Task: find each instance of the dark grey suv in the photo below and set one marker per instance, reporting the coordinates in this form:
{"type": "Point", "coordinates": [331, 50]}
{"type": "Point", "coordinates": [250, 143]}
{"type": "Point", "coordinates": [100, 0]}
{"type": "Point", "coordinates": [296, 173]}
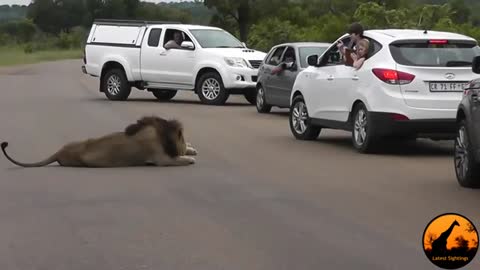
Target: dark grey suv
{"type": "Point", "coordinates": [288, 59]}
{"type": "Point", "coordinates": [467, 143]}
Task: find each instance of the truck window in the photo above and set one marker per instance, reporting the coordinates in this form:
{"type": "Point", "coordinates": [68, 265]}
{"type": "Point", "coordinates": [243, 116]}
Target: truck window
{"type": "Point", "coordinates": [169, 35]}
{"type": "Point", "coordinates": [154, 37]}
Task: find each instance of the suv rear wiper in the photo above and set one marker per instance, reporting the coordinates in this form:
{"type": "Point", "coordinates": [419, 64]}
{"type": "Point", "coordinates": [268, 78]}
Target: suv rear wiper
{"type": "Point", "coordinates": [458, 63]}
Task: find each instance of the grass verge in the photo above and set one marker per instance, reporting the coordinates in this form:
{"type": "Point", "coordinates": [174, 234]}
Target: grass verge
{"type": "Point", "coordinates": [16, 56]}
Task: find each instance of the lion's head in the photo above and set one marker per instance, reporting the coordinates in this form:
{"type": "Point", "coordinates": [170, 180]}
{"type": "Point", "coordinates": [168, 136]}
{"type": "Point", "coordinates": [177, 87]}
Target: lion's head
{"type": "Point", "coordinates": [170, 133]}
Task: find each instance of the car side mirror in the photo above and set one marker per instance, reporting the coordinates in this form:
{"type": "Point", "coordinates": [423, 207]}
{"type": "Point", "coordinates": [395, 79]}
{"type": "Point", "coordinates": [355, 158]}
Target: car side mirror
{"type": "Point", "coordinates": [312, 60]}
{"type": "Point", "coordinates": [476, 65]}
{"type": "Point", "coordinates": [188, 45]}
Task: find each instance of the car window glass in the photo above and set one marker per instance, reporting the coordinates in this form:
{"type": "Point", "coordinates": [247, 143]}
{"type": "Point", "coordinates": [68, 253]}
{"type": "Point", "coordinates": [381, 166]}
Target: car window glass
{"type": "Point", "coordinates": [434, 55]}
{"type": "Point", "coordinates": [305, 52]}
{"type": "Point", "coordinates": [289, 55]}
{"type": "Point", "coordinates": [332, 57]}
{"type": "Point", "coordinates": [154, 37]}
{"type": "Point", "coordinates": [169, 36]}
{"type": "Point", "coordinates": [276, 57]}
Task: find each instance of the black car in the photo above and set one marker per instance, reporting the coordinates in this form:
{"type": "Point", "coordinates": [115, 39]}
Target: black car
{"type": "Point", "coordinates": [467, 143]}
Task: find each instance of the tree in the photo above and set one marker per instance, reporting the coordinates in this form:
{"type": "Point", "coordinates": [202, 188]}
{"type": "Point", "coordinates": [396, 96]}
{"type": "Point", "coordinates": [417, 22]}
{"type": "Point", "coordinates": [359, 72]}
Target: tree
{"type": "Point", "coordinates": [239, 10]}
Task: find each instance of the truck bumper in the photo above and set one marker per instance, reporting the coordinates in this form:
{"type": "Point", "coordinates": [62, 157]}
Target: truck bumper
{"type": "Point", "coordinates": [240, 78]}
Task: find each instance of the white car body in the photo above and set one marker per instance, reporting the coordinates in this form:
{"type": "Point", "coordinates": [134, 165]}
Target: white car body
{"type": "Point", "coordinates": [331, 91]}
{"type": "Point", "coordinates": [138, 48]}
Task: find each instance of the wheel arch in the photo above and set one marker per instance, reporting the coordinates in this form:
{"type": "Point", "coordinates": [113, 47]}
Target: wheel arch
{"type": "Point", "coordinates": [461, 115]}
{"type": "Point", "coordinates": [203, 71]}
{"type": "Point", "coordinates": [355, 104]}
{"type": "Point", "coordinates": [109, 65]}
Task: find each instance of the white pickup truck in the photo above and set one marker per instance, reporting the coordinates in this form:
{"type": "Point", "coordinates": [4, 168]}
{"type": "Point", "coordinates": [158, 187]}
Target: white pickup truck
{"type": "Point", "coordinates": [207, 60]}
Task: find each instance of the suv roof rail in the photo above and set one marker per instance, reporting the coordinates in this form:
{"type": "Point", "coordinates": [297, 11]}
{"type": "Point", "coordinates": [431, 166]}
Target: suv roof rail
{"type": "Point", "coordinates": [130, 22]}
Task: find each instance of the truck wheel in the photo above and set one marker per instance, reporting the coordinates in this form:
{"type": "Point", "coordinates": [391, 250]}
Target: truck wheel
{"type": "Point", "coordinates": [115, 85]}
{"type": "Point", "coordinates": [163, 95]}
{"type": "Point", "coordinates": [251, 96]}
{"type": "Point", "coordinates": [210, 89]}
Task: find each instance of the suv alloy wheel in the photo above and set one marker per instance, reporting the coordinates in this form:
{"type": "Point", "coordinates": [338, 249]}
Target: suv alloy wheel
{"type": "Point", "coordinates": [363, 138]}
{"type": "Point", "coordinates": [300, 122]}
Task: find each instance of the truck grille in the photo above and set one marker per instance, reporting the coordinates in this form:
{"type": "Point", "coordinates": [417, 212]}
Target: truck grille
{"type": "Point", "coordinates": [255, 63]}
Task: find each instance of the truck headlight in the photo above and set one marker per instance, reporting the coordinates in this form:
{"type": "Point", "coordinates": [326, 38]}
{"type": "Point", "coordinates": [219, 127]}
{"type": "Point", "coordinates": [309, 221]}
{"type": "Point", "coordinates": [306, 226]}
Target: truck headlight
{"type": "Point", "coordinates": [236, 62]}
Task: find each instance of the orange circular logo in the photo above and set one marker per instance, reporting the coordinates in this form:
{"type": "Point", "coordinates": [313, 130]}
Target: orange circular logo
{"type": "Point", "coordinates": [450, 241]}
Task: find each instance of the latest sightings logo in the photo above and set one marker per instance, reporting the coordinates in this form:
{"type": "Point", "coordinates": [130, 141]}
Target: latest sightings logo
{"type": "Point", "coordinates": [450, 241]}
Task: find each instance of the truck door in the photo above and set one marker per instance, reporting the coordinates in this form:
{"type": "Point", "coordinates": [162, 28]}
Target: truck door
{"type": "Point", "coordinates": [151, 60]}
{"type": "Point", "coordinates": [176, 65]}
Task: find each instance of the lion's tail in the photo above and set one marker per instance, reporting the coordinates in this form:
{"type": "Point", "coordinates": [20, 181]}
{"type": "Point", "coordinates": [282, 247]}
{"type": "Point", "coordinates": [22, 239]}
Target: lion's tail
{"type": "Point", "coordinates": [45, 162]}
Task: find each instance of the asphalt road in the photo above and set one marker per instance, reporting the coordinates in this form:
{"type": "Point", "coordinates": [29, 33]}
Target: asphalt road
{"type": "Point", "coordinates": [256, 198]}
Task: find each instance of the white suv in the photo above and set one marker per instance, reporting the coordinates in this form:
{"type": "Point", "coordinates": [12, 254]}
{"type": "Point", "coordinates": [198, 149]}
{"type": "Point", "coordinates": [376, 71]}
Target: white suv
{"type": "Point", "coordinates": [410, 86]}
{"type": "Point", "coordinates": [211, 62]}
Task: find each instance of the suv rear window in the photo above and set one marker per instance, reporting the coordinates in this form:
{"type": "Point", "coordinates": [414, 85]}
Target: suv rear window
{"type": "Point", "coordinates": [434, 54]}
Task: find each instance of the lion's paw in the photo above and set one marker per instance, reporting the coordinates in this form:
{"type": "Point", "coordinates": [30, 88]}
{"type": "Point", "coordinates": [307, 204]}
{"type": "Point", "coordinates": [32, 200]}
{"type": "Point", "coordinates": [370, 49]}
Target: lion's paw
{"type": "Point", "coordinates": [192, 151]}
{"type": "Point", "coordinates": [191, 160]}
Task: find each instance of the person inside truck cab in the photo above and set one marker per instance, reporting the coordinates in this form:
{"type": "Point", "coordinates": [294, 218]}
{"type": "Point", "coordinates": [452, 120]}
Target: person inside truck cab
{"type": "Point", "coordinates": [176, 42]}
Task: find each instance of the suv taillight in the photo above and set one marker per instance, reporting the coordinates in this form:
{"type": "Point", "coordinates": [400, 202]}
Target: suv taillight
{"type": "Point", "coordinates": [391, 76]}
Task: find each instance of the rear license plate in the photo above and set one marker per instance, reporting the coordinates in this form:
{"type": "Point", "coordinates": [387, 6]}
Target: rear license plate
{"type": "Point", "coordinates": [447, 86]}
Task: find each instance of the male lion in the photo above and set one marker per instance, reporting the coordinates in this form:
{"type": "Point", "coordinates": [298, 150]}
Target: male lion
{"type": "Point", "coordinates": [150, 141]}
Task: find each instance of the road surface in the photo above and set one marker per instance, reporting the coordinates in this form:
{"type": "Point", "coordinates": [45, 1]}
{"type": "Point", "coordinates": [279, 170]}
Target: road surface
{"type": "Point", "coordinates": [256, 198]}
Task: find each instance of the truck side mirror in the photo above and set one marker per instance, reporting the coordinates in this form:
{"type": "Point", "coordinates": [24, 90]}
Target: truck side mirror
{"type": "Point", "coordinates": [476, 65]}
{"type": "Point", "coordinates": [188, 45]}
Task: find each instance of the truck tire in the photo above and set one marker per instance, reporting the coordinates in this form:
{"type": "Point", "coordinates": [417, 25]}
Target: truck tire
{"type": "Point", "coordinates": [251, 95]}
{"type": "Point", "coordinates": [210, 89]}
{"type": "Point", "coordinates": [163, 95]}
{"type": "Point", "coordinates": [115, 85]}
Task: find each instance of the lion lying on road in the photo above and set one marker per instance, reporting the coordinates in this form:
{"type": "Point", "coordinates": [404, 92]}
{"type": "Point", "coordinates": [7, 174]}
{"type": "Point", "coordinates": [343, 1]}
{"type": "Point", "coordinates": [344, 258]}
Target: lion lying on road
{"type": "Point", "coordinates": [150, 141]}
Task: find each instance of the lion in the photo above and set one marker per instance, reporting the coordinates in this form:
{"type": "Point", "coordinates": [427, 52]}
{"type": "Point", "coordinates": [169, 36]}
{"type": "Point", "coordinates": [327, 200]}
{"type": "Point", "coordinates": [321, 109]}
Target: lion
{"type": "Point", "coordinates": [150, 141]}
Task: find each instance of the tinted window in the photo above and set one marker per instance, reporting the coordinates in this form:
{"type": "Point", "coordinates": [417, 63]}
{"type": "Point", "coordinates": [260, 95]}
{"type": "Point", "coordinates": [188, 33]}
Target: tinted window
{"type": "Point", "coordinates": [276, 57]}
{"type": "Point", "coordinates": [304, 52]}
{"type": "Point", "coordinates": [154, 37]}
{"type": "Point", "coordinates": [434, 55]}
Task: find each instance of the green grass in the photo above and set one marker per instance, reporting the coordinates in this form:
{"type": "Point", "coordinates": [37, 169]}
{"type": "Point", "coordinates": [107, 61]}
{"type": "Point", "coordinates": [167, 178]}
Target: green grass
{"type": "Point", "coordinates": [10, 56]}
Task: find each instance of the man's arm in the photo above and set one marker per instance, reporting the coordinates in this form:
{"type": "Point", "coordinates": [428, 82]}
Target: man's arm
{"type": "Point", "coordinates": [172, 45]}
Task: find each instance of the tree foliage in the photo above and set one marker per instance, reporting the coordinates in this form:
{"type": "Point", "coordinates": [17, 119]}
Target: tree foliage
{"type": "Point", "coordinates": [261, 23]}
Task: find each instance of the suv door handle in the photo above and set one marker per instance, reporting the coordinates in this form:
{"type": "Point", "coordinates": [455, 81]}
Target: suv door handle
{"type": "Point", "coordinates": [330, 78]}
{"type": "Point", "coordinates": [355, 78]}
{"type": "Point", "coordinates": [163, 53]}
